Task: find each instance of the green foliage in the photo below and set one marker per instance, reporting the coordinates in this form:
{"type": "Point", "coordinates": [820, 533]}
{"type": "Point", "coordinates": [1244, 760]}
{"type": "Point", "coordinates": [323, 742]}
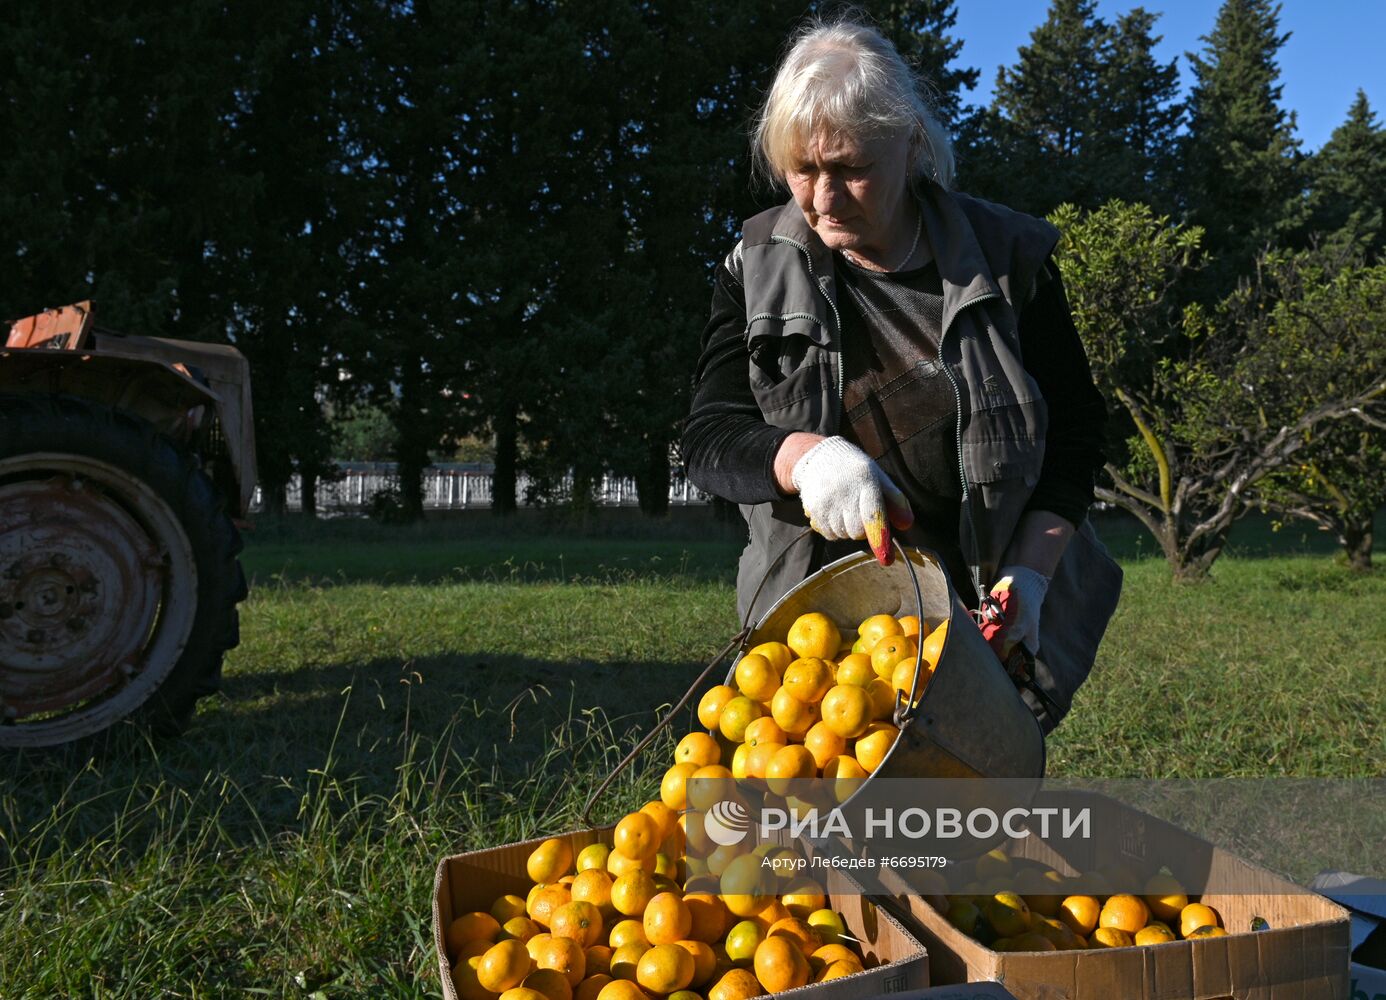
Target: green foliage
{"type": "Point", "coordinates": [1218, 399]}
{"type": "Point", "coordinates": [364, 434]}
{"type": "Point", "coordinates": [1241, 171]}
{"type": "Point", "coordinates": [119, 180]}
{"type": "Point", "coordinates": [1347, 183]}
{"type": "Point", "coordinates": [473, 449]}
{"type": "Point", "coordinates": [1120, 265]}
{"type": "Point", "coordinates": [1321, 316]}
{"type": "Point", "coordinates": [1087, 114]}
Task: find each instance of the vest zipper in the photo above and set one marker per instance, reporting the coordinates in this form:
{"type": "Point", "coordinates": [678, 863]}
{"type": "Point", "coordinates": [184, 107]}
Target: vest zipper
{"type": "Point", "coordinates": [976, 559]}
{"type": "Point", "coordinates": [975, 562]}
{"type": "Point", "coordinates": [837, 318]}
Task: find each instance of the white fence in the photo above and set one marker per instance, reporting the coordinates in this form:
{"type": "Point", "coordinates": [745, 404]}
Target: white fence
{"type": "Point", "coordinates": [460, 487]}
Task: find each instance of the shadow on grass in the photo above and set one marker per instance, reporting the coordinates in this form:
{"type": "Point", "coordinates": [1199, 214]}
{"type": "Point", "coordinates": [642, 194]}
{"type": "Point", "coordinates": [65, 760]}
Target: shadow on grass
{"type": "Point", "coordinates": [254, 756]}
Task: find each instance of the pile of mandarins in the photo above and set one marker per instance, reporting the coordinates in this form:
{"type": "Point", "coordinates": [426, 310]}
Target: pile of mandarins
{"type": "Point", "coordinates": [813, 706]}
{"type": "Point", "coordinates": [1022, 906]}
{"type": "Point", "coordinates": [628, 920]}
{"type": "Point", "coordinates": [616, 923]}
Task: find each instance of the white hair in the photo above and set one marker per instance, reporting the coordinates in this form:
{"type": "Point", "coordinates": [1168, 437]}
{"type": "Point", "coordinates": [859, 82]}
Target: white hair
{"type": "Point", "coordinates": [847, 79]}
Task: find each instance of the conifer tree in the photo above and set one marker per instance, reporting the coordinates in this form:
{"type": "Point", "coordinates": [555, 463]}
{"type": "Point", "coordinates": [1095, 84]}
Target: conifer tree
{"type": "Point", "coordinates": [1086, 114]}
{"type": "Point", "coordinates": [1044, 114]}
{"type": "Point", "coordinates": [921, 31]}
{"type": "Point", "coordinates": [1347, 182]}
{"type": "Point", "coordinates": [1134, 155]}
{"type": "Point", "coordinates": [1240, 157]}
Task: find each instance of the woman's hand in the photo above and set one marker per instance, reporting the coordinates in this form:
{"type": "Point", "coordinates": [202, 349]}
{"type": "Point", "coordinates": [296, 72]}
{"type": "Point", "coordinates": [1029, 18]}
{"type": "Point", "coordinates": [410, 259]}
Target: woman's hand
{"type": "Point", "coordinates": [1036, 547]}
{"type": "Point", "coordinates": [1019, 592]}
{"type": "Point", "coordinates": [845, 494]}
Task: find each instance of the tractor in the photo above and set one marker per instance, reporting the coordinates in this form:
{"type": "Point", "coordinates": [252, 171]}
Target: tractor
{"type": "Point", "coordinates": [127, 466]}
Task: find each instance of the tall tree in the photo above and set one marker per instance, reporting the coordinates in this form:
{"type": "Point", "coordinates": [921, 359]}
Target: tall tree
{"type": "Point", "coordinates": [1347, 182]}
{"type": "Point", "coordinates": [1086, 114]}
{"type": "Point", "coordinates": [180, 165]}
{"type": "Point", "coordinates": [922, 31]}
{"type": "Point", "coordinates": [528, 163]}
{"type": "Point", "coordinates": [413, 112]}
{"type": "Point", "coordinates": [1135, 150]}
{"type": "Point", "coordinates": [1044, 113]}
{"type": "Point", "coordinates": [116, 186]}
{"type": "Point", "coordinates": [657, 199]}
{"type": "Point", "coordinates": [1241, 176]}
{"type": "Point", "coordinates": [288, 261]}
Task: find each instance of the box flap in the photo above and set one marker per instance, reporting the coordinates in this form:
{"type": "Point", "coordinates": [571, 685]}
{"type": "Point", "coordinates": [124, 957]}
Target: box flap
{"type": "Point", "coordinates": [1357, 892]}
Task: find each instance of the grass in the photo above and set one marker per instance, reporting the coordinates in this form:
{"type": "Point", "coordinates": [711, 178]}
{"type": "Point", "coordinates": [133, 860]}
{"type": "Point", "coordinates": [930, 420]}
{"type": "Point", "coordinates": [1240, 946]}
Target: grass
{"type": "Point", "coordinates": [402, 694]}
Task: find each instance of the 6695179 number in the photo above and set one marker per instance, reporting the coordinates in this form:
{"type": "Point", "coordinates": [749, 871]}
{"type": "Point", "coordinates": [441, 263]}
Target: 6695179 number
{"type": "Point", "coordinates": [913, 861]}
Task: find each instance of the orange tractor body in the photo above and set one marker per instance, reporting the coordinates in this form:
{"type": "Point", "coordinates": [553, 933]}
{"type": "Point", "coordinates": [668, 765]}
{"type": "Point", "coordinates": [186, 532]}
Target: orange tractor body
{"type": "Point", "coordinates": [127, 464]}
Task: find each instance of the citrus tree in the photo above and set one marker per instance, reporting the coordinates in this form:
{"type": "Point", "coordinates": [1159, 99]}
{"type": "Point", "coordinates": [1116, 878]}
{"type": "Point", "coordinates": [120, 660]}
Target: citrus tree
{"type": "Point", "coordinates": [1207, 398]}
{"type": "Point", "coordinates": [1325, 314]}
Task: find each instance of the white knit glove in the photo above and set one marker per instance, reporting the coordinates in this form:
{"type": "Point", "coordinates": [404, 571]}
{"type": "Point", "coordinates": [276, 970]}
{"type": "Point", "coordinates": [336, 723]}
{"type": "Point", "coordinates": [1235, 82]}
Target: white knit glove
{"type": "Point", "coordinates": [846, 495]}
{"type": "Point", "coordinates": [1021, 591]}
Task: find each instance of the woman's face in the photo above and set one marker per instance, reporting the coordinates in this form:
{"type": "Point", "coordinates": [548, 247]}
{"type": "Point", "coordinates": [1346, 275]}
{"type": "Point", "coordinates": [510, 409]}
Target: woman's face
{"type": "Point", "coordinates": [851, 191]}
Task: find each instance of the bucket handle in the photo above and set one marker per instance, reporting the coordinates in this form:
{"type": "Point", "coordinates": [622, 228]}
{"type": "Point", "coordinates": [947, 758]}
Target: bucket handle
{"type": "Point", "coordinates": [905, 708]}
{"type": "Point", "coordinates": [668, 718]}
{"type": "Point", "coordinates": [736, 641]}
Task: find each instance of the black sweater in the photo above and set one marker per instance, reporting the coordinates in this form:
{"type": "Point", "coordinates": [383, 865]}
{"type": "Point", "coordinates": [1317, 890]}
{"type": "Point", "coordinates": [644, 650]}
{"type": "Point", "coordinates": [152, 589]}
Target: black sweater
{"type": "Point", "coordinates": [729, 449]}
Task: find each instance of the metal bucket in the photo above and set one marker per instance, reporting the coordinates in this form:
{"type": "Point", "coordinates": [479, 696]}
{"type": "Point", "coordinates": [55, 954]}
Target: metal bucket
{"type": "Point", "coordinates": [971, 721]}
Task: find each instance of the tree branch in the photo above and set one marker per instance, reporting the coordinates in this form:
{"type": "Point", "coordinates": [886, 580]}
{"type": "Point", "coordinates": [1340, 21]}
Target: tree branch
{"type": "Point", "coordinates": [1131, 490]}
{"type": "Point", "coordinates": [1370, 421]}
{"type": "Point", "coordinates": [1288, 440]}
{"type": "Point", "coordinates": [1339, 497]}
{"type": "Point", "coordinates": [1139, 511]}
{"type": "Point", "coordinates": [1153, 443]}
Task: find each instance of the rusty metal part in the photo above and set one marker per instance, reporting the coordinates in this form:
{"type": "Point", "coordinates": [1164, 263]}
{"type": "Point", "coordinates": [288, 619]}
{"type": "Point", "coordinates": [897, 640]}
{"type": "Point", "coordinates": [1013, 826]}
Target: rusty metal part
{"type": "Point", "coordinates": [65, 329]}
{"type": "Point", "coordinates": [152, 377]}
{"type": "Point", "coordinates": [98, 592]}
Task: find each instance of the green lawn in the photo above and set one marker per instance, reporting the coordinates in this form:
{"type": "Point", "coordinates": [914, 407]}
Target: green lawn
{"type": "Point", "coordinates": [402, 694]}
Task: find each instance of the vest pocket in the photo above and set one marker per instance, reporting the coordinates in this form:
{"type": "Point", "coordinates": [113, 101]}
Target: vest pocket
{"type": "Point", "coordinates": [782, 347]}
{"type": "Point", "coordinates": [993, 461]}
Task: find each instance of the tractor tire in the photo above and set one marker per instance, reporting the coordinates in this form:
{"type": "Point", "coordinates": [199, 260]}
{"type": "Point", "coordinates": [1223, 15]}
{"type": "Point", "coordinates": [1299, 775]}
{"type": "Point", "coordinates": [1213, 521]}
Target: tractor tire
{"type": "Point", "coordinates": [118, 574]}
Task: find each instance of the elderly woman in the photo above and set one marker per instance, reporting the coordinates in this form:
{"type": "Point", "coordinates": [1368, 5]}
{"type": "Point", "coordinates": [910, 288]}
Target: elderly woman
{"type": "Point", "coordinates": [885, 352]}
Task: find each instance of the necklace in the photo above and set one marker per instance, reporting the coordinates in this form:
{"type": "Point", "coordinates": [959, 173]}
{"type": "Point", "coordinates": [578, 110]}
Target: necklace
{"type": "Point", "coordinates": [918, 228]}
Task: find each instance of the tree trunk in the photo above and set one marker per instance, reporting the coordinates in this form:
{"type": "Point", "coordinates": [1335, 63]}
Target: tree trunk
{"type": "Point", "coordinates": [308, 480]}
{"type": "Point", "coordinates": [411, 450]}
{"type": "Point", "coordinates": [275, 498]}
{"type": "Point", "coordinates": [503, 478]}
{"type": "Point", "coordinates": [653, 483]}
{"type": "Point", "coordinates": [413, 460]}
{"type": "Point", "coordinates": [582, 504]}
{"type": "Point", "coordinates": [1356, 539]}
{"type": "Point", "coordinates": [1195, 561]}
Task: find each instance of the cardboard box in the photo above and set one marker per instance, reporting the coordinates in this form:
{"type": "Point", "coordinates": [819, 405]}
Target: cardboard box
{"type": "Point", "coordinates": [1303, 954]}
{"type": "Point", "coordinates": [472, 881]}
{"type": "Point", "coordinates": [1366, 899]}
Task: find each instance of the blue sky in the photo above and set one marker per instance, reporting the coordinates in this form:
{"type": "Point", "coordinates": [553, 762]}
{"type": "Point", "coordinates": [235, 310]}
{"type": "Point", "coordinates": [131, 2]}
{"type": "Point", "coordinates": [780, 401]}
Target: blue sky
{"type": "Point", "coordinates": [1335, 47]}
